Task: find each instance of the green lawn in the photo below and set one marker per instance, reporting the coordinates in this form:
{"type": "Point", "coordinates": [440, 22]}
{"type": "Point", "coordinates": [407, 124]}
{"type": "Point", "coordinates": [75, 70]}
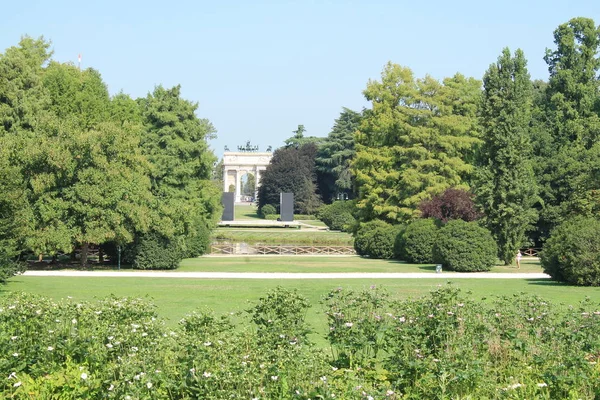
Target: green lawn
{"type": "Point", "coordinates": [243, 212]}
{"type": "Point", "coordinates": [321, 264]}
{"type": "Point", "coordinates": [176, 297]}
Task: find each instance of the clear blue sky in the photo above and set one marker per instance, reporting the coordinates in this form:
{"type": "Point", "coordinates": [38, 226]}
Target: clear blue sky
{"type": "Point", "coordinates": [259, 68]}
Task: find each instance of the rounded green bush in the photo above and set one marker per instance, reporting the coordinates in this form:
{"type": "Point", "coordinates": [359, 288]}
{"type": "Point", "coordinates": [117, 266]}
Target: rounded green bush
{"type": "Point", "coordinates": [268, 209]}
{"type": "Point", "coordinates": [376, 239]}
{"type": "Point", "coordinates": [154, 251]}
{"type": "Point", "coordinates": [572, 253]}
{"type": "Point", "coordinates": [465, 247]}
{"type": "Point", "coordinates": [415, 245]}
{"type": "Point", "coordinates": [338, 215]}
{"type": "Point", "coordinates": [198, 243]}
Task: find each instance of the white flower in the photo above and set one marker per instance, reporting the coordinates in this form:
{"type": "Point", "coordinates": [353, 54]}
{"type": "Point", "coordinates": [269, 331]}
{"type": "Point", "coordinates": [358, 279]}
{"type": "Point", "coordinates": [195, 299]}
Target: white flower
{"type": "Point", "coordinates": [111, 387]}
{"type": "Point", "coordinates": [17, 384]}
{"type": "Point", "coordinates": [323, 379]}
{"type": "Point", "coordinates": [84, 376]}
{"type": "Point", "coordinates": [281, 336]}
{"type": "Point", "coordinates": [12, 375]}
{"type": "Point", "coordinates": [543, 384]}
{"type": "Point", "coordinates": [98, 313]}
{"type": "Point", "coordinates": [206, 374]}
{"type": "Point", "coordinates": [109, 345]}
{"type": "Point", "coordinates": [149, 385]}
{"type": "Point", "coordinates": [73, 321]}
{"type": "Point", "coordinates": [274, 377]}
{"type": "Point", "coordinates": [389, 393]}
{"type": "Point", "coordinates": [401, 319]}
{"type": "Point", "coordinates": [349, 324]}
{"type": "Point", "coordinates": [370, 398]}
{"type": "Point", "coordinates": [14, 337]}
{"type": "Point", "coordinates": [15, 354]}
{"type": "Point", "coordinates": [207, 343]}
{"type": "Point", "coordinates": [134, 348]}
{"type": "Point", "coordinates": [50, 348]}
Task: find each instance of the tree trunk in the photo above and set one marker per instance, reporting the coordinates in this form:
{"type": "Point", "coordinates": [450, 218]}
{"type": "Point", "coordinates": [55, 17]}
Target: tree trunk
{"type": "Point", "coordinates": [84, 254]}
{"type": "Point", "coordinates": [100, 256]}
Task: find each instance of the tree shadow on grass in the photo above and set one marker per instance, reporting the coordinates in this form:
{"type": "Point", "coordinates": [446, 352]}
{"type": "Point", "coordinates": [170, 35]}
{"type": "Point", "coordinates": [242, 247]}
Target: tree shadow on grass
{"type": "Point", "coordinates": [545, 282]}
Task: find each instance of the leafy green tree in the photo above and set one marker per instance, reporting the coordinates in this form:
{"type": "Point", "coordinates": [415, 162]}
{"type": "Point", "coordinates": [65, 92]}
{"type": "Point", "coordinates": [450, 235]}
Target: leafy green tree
{"type": "Point", "coordinates": [506, 186]}
{"type": "Point", "coordinates": [22, 96]}
{"type": "Point", "coordinates": [90, 178]}
{"type": "Point", "coordinates": [335, 154]}
{"type": "Point", "coordinates": [567, 129]}
{"type": "Point", "coordinates": [175, 143]}
{"type": "Point", "coordinates": [417, 140]}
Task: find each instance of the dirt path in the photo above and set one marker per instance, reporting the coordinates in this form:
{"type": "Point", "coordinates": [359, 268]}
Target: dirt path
{"type": "Point", "coordinates": [285, 275]}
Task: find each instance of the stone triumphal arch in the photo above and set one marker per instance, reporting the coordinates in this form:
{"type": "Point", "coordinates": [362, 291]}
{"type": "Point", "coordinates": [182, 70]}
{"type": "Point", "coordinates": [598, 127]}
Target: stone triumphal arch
{"type": "Point", "coordinates": [236, 164]}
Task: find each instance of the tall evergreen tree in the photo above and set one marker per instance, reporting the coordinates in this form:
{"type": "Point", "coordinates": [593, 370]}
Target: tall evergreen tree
{"type": "Point", "coordinates": [568, 148]}
{"type": "Point", "coordinates": [506, 187]}
{"type": "Point", "coordinates": [175, 143]}
{"type": "Point", "coordinates": [334, 175]}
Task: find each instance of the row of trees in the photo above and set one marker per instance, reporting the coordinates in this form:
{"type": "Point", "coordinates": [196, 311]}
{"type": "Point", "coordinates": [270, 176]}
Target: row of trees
{"type": "Point", "coordinates": [79, 167]}
{"type": "Point", "coordinates": [528, 150]}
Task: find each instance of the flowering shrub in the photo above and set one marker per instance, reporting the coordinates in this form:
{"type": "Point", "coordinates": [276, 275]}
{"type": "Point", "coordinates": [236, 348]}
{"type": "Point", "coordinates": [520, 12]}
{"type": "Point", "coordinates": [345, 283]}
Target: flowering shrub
{"type": "Point", "coordinates": [445, 345]}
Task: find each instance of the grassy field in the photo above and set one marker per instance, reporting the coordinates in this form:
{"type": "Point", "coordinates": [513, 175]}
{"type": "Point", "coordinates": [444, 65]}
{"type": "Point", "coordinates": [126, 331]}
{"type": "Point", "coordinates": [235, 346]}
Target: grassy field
{"type": "Point", "coordinates": [176, 297]}
{"type": "Point", "coordinates": [321, 264]}
{"type": "Point", "coordinates": [245, 212]}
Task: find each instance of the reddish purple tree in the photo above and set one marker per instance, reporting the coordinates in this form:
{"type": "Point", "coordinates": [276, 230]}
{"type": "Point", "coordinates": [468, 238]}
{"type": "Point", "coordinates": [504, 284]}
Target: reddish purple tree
{"type": "Point", "coordinates": [451, 204]}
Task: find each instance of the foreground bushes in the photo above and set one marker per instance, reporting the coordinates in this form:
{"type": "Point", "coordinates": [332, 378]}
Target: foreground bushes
{"type": "Point", "coordinates": [444, 345]}
{"type": "Point", "coordinates": [572, 253]}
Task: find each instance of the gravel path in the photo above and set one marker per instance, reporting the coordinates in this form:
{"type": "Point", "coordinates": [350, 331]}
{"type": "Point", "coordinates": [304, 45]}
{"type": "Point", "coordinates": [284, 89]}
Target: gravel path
{"type": "Point", "coordinates": [285, 275]}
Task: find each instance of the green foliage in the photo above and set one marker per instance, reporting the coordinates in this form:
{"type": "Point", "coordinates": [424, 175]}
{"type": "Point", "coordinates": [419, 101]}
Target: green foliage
{"type": "Point", "coordinates": [506, 186]}
{"type": "Point", "coordinates": [268, 209]}
{"type": "Point", "coordinates": [416, 243]}
{"type": "Point", "coordinates": [338, 215]}
{"type": "Point", "coordinates": [417, 140]}
{"type": "Point", "coordinates": [357, 325]}
{"type": "Point", "coordinates": [335, 155]}
{"type": "Point", "coordinates": [567, 128]}
{"type": "Point", "coordinates": [446, 343]}
{"type": "Point", "coordinates": [572, 253]}
{"type": "Point", "coordinates": [280, 317]}
{"type": "Point", "coordinates": [155, 251]}
{"type": "Point", "coordinates": [198, 243]}
{"type": "Point", "coordinates": [376, 239]}
{"type": "Point", "coordinates": [175, 144]}
{"type": "Point", "coordinates": [465, 247]}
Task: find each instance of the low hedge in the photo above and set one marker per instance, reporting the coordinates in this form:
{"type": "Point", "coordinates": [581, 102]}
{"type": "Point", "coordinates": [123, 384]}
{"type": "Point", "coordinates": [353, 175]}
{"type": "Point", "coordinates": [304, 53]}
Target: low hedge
{"type": "Point", "coordinates": [273, 217]}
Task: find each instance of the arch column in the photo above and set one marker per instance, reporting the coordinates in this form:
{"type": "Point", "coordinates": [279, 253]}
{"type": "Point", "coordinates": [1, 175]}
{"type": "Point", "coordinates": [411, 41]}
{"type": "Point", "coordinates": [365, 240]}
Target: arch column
{"type": "Point", "coordinates": [238, 190]}
{"type": "Point", "coordinates": [225, 186]}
